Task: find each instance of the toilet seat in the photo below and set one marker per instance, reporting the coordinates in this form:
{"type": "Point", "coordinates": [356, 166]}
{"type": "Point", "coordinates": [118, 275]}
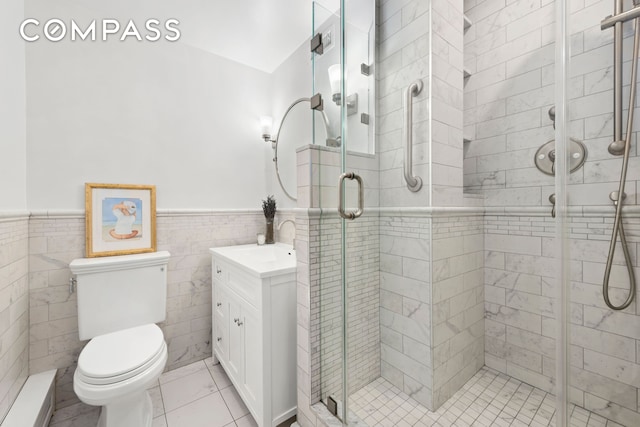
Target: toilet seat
{"type": "Point", "coordinates": [119, 356]}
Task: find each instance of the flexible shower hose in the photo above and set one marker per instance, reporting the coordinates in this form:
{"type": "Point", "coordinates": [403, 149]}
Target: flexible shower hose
{"type": "Point", "coordinates": [618, 228]}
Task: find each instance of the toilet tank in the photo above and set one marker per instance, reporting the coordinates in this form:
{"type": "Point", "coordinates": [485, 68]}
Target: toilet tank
{"type": "Point", "coordinates": [120, 292]}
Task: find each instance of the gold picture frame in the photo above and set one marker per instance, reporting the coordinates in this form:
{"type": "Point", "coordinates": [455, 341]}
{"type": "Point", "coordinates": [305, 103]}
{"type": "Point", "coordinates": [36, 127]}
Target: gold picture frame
{"type": "Point", "coordinates": [120, 219]}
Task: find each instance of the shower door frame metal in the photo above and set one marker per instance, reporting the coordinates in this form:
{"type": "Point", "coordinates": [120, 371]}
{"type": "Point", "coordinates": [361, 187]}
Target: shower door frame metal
{"type": "Point", "coordinates": [562, 170]}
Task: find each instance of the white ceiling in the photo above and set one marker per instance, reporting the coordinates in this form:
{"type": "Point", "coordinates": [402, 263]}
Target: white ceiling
{"type": "Point", "coordinates": [258, 33]}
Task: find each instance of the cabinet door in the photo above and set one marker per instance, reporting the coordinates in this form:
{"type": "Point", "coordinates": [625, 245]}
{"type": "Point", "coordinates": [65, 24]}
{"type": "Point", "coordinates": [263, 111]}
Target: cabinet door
{"type": "Point", "coordinates": [253, 359]}
{"type": "Point", "coordinates": [236, 337]}
{"type": "Point", "coordinates": [220, 322]}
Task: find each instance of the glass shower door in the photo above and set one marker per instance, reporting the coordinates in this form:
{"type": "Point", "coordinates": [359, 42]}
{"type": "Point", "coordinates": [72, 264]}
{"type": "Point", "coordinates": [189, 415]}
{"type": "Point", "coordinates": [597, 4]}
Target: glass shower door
{"type": "Point", "coordinates": [327, 386]}
{"type": "Point", "coordinates": [347, 222]}
{"type": "Point", "coordinates": [601, 329]}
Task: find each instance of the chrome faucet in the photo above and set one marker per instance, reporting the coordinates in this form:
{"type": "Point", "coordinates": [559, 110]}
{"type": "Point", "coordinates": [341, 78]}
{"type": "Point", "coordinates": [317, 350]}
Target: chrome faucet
{"type": "Point", "coordinates": [294, 229]}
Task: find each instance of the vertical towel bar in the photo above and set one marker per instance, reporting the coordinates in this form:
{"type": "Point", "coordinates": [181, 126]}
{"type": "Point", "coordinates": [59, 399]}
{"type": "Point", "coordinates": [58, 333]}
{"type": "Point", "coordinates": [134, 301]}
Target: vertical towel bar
{"type": "Point", "coordinates": [414, 183]}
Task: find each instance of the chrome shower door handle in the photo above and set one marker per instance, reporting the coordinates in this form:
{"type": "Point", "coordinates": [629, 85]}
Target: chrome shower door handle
{"type": "Point", "coordinates": [360, 210]}
{"type": "Point", "coordinates": [414, 183]}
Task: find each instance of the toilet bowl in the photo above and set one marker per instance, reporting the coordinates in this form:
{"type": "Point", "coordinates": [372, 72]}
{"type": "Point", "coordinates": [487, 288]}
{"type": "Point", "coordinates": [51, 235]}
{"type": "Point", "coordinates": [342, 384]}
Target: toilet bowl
{"type": "Point", "coordinates": [120, 300]}
{"type": "Point", "coordinates": [116, 369]}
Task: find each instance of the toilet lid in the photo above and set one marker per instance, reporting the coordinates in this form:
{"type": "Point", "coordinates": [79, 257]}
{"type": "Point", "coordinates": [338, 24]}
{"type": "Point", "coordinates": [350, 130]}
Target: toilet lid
{"type": "Point", "coordinates": [120, 355]}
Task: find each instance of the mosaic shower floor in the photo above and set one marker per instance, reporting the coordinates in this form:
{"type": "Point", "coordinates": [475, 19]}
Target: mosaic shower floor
{"type": "Point", "coordinates": [489, 398]}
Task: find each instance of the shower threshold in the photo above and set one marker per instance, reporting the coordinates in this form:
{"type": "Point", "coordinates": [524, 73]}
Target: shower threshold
{"type": "Point", "coordinates": [489, 398]}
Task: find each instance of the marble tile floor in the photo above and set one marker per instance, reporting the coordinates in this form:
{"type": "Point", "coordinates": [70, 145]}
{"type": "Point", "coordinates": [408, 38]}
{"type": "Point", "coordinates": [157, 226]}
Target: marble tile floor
{"type": "Point", "coordinates": [489, 398]}
{"type": "Point", "coordinates": [196, 395]}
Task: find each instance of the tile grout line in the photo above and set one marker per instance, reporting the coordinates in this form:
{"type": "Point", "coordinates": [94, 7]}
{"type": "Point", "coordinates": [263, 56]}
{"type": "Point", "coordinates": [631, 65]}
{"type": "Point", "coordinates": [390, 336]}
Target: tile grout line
{"type": "Point", "coordinates": [200, 398]}
{"type": "Point", "coordinates": [164, 411]}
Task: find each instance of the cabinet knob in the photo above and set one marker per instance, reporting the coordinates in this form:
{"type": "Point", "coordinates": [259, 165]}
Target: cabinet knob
{"type": "Point", "coordinates": [218, 270]}
{"type": "Point", "coordinates": [236, 320]}
{"type": "Point", "coordinates": [219, 304]}
{"type": "Point", "coordinates": [219, 339]}
{"type": "Point", "coordinates": [240, 323]}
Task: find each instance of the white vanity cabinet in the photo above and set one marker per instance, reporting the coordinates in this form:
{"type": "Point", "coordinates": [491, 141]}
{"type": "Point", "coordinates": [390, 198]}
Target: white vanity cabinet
{"type": "Point", "coordinates": [254, 332]}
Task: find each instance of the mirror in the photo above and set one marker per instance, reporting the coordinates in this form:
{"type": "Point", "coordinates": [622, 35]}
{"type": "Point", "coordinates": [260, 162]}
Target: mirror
{"type": "Point", "coordinates": [295, 131]}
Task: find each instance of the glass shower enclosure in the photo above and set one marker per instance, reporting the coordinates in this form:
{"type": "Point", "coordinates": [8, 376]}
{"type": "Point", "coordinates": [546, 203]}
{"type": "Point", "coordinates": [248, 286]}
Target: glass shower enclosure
{"type": "Point", "coordinates": [461, 219]}
{"type": "Point", "coordinates": [346, 200]}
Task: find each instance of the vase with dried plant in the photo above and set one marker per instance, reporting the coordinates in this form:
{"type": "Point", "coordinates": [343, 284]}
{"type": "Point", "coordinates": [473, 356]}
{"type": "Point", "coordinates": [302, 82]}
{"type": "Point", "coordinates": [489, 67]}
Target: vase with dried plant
{"type": "Point", "coordinates": [269, 209]}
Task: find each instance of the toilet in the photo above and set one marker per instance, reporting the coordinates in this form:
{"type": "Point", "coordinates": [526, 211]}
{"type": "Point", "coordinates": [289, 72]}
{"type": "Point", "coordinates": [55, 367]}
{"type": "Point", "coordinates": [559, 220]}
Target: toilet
{"type": "Point", "coordinates": [120, 300]}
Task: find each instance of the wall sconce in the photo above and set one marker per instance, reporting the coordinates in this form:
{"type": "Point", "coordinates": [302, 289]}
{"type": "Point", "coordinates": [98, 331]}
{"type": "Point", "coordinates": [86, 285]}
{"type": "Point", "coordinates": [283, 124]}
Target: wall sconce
{"type": "Point", "coordinates": [335, 82]}
{"type": "Point", "coordinates": [266, 124]}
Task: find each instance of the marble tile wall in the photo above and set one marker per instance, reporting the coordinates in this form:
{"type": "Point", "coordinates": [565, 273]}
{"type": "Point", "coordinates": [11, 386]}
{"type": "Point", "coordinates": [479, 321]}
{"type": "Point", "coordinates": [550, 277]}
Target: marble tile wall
{"type": "Point", "coordinates": [519, 298]}
{"type": "Point", "coordinates": [520, 307]}
{"type": "Point", "coordinates": [421, 40]}
{"type": "Point", "coordinates": [509, 51]}
{"type": "Point", "coordinates": [363, 299]}
{"type": "Point", "coordinates": [53, 335]}
{"type": "Point", "coordinates": [403, 57]}
{"type": "Point", "coordinates": [432, 303]}
{"type": "Point", "coordinates": [458, 303]}
{"type": "Point", "coordinates": [445, 138]}
{"type": "Point", "coordinates": [308, 328]}
{"type": "Point", "coordinates": [318, 269]}
{"type": "Point", "coordinates": [55, 241]}
{"type": "Point", "coordinates": [319, 170]}
{"type": "Point", "coordinates": [417, 40]}
{"type": "Point", "coordinates": [405, 304]}
{"type": "Point", "coordinates": [14, 309]}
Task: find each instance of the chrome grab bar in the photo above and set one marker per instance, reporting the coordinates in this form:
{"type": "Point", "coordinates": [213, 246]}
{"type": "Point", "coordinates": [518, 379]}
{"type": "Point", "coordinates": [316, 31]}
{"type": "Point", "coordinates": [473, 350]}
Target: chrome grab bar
{"type": "Point", "coordinates": [357, 213]}
{"type": "Point", "coordinates": [413, 182]}
{"type": "Point", "coordinates": [621, 17]}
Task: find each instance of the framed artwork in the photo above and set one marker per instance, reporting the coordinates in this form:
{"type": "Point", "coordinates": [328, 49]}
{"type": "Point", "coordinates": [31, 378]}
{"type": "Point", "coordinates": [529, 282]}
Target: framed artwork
{"type": "Point", "coordinates": [120, 219]}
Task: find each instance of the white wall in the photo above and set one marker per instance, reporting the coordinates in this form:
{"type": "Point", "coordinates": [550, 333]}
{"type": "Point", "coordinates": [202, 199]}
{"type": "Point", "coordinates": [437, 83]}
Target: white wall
{"type": "Point", "coordinates": [12, 109]}
{"type": "Point", "coordinates": [14, 301]}
{"type": "Point", "coordinates": [289, 82]}
{"type": "Point", "coordinates": [160, 113]}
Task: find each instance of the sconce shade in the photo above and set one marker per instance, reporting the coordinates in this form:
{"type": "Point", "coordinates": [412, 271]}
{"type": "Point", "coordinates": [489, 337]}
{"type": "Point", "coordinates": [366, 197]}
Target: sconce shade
{"type": "Point", "coordinates": [266, 124]}
{"type": "Point", "coordinates": [334, 78]}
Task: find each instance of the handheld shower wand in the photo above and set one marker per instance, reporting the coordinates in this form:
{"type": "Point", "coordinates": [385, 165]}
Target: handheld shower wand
{"type": "Point", "coordinates": [622, 146]}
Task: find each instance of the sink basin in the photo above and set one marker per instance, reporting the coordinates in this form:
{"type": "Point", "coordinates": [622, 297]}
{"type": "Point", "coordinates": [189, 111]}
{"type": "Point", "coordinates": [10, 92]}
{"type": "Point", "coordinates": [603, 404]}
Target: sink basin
{"type": "Point", "coordinates": [260, 261]}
